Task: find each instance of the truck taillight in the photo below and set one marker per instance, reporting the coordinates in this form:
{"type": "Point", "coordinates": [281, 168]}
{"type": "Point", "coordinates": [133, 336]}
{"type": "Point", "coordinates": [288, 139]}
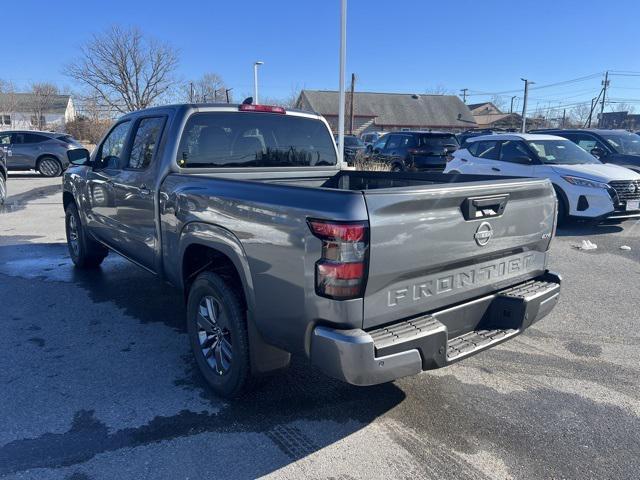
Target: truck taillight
{"type": "Point", "coordinates": [341, 271]}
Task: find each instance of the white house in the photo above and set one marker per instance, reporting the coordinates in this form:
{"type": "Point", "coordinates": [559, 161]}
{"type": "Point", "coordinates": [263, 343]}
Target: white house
{"type": "Point", "coordinates": [18, 111]}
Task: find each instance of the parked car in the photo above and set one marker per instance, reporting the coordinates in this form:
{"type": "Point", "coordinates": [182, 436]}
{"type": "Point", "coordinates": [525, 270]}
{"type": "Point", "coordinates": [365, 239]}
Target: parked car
{"type": "Point", "coordinates": [415, 151]}
{"type": "Point", "coordinates": [3, 177]}
{"type": "Point", "coordinates": [586, 188]}
{"type": "Point", "coordinates": [370, 138]}
{"type": "Point", "coordinates": [371, 275]}
{"type": "Point", "coordinates": [609, 146]}
{"type": "Point", "coordinates": [45, 152]}
{"type": "Point", "coordinates": [352, 147]}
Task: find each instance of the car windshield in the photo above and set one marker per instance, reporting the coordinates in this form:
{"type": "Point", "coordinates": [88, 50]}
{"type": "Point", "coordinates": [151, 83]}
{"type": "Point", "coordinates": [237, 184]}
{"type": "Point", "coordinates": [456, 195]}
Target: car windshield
{"type": "Point", "coordinates": [435, 144]}
{"type": "Point", "coordinates": [624, 142]}
{"type": "Point", "coordinates": [561, 152]}
{"type": "Point", "coordinates": [353, 142]}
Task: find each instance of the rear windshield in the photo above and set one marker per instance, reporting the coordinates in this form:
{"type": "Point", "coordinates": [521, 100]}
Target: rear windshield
{"type": "Point", "coordinates": [247, 139]}
{"type": "Point", "coordinates": [436, 143]}
{"type": "Point", "coordinates": [356, 142]}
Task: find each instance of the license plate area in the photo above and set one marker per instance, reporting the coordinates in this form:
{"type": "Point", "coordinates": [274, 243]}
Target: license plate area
{"type": "Point", "coordinates": [632, 205]}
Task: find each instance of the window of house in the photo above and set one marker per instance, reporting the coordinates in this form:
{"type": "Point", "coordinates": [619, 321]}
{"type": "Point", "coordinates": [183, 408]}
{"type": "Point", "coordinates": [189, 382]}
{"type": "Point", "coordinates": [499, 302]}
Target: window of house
{"type": "Point", "coordinates": [35, 123]}
{"type": "Point", "coordinates": [145, 142]}
{"type": "Point", "coordinates": [6, 119]}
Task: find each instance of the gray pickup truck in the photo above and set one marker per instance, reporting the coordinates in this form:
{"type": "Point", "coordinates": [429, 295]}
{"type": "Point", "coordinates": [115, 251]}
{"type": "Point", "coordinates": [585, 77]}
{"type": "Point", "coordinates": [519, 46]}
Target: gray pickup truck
{"type": "Point", "coordinates": [371, 275]}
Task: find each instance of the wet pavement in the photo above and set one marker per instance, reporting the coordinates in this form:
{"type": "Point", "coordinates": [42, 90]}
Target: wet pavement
{"type": "Point", "coordinates": [97, 381]}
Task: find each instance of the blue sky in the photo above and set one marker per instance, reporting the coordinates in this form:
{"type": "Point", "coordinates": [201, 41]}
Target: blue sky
{"type": "Point", "coordinates": [400, 46]}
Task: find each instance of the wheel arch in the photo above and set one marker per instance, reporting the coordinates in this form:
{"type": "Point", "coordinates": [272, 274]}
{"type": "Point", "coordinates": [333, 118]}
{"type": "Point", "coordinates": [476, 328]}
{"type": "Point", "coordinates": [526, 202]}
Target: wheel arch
{"type": "Point", "coordinates": [211, 247]}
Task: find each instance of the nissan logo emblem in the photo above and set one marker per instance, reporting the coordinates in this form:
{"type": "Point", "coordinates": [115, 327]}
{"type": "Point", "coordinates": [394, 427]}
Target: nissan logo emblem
{"type": "Point", "coordinates": [483, 234]}
{"type": "Point", "coordinates": [632, 188]}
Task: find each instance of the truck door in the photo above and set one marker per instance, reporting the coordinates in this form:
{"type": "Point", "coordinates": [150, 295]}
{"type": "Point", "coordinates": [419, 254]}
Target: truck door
{"type": "Point", "coordinates": [136, 193]}
{"type": "Point", "coordinates": [101, 200]}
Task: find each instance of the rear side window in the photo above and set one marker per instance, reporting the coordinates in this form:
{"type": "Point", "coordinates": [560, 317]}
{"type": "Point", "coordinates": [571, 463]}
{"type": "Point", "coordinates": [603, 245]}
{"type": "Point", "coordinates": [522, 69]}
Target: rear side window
{"type": "Point", "coordinates": [486, 149]}
{"type": "Point", "coordinates": [26, 137]}
{"type": "Point", "coordinates": [513, 149]}
{"type": "Point", "coordinates": [246, 139]}
{"type": "Point", "coordinates": [145, 142]}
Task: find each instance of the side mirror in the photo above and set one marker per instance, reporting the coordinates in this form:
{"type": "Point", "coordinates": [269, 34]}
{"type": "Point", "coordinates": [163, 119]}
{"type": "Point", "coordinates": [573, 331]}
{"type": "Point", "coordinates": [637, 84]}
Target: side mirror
{"type": "Point", "coordinates": [78, 156]}
{"type": "Point", "coordinates": [598, 152]}
{"type": "Point", "coordinates": [521, 160]}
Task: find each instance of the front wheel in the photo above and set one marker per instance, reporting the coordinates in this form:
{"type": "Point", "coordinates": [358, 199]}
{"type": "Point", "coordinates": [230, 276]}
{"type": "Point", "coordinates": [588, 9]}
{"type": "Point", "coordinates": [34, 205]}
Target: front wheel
{"type": "Point", "coordinates": [84, 251]}
{"type": "Point", "coordinates": [3, 189]}
{"type": "Point", "coordinates": [396, 167]}
{"type": "Point", "coordinates": [217, 327]}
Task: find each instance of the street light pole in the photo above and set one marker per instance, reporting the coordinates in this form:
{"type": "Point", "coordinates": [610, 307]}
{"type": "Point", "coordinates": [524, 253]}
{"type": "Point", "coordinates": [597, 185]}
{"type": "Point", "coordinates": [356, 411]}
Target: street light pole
{"type": "Point", "coordinates": [255, 81]}
{"type": "Point", "coordinates": [343, 56]}
{"type": "Point", "coordinates": [524, 103]}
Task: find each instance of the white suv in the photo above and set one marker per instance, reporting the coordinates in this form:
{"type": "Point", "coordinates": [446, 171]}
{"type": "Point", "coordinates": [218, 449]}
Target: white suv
{"type": "Point", "coordinates": [586, 188]}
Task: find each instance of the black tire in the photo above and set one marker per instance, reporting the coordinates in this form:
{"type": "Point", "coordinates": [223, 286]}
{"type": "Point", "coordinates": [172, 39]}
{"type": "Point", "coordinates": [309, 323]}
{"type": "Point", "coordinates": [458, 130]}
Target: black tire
{"type": "Point", "coordinates": [563, 214]}
{"type": "Point", "coordinates": [3, 189]}
{"type": "Point", "coordinates": [396, 167]}
{"type": "Point", "coordinates": [221, 355]}
{"type": "Point", "coordinates": [49, 166]}
{"type": "Point", "coordinates": [85, 252]}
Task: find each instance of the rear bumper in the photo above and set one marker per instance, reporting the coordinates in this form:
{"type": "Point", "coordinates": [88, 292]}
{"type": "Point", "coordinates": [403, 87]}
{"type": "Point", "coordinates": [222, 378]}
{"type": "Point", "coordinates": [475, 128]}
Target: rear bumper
{"type": "Point", "coordinates": [411, 346]}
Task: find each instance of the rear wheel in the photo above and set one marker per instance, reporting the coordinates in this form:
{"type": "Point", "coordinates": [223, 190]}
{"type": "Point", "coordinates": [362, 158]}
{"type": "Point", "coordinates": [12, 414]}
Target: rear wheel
{"type": "Point", "coordinates": [85, 252]}
{"type": "Point", "coordinates": [396, 167]}
{"type": "Point", "coordinates": [217, 327]}
{"type": "Point", "coordinates": [49, 167]}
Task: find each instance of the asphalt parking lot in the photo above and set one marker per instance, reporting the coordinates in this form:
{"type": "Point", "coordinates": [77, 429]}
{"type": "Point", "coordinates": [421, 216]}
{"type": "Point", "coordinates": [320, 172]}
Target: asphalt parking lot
{"type": "Point", "coordinates": [97, 381]}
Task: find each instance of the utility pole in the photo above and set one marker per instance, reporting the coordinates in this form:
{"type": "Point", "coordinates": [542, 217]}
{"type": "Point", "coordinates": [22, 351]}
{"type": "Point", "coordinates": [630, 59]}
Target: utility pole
{"type": "Point", "coordinates": [464, 94]}
{"type": "Point", "coordinates": [226, 92]}
{"type": "Point", "coordinates": [191, 92]}
{"type": "Point", "coordinates": [512, 99]}
{"type": "Point", "coordinates": [564, 116]}
{"type": "Point", "coordinates": [343, 57]}
{"type": "Point", "coordinates": [255, 81]}
{"type": "Point", "coordinates": [353, 85]}
{"type": "Point", "coordinates": [605, 84]}
{"type": "Point", "coordinates": [524, 103]}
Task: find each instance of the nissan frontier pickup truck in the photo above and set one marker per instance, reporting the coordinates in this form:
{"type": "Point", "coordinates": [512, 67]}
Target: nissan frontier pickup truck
{"type": "Point", "coordinates": [372, 276]}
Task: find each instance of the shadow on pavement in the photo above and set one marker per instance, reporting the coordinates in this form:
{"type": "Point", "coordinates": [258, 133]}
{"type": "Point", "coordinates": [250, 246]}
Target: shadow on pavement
{"type": "Point", "coordinates": [300, 411]}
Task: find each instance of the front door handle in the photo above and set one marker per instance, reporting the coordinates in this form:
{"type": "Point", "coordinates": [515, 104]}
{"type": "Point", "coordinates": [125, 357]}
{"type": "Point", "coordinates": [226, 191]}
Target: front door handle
{"type": "Point", "coordinates": [144, 190]}
{"type": "Point", "coordinates": [495, 169]}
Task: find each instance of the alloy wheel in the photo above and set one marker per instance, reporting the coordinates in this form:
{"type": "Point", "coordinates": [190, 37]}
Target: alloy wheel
{"type": "Point", "coordinates": [49, 167]}
{"type": "Point", "coordinates": [213, 335]}
{"type": "Point", "coordinates": [73, 234]}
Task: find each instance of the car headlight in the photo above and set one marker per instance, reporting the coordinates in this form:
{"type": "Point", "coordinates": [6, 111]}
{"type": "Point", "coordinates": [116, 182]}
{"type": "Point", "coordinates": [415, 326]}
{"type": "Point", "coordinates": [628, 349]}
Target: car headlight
{"type": "Point", "coordinates": [583, 182]}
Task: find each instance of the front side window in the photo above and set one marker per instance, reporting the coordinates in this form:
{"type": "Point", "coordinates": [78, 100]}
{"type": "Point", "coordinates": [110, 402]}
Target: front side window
{"type": "Point", "coordinates": [379, 145]}
{"type": "Point", "coordinates": [560, 152]}
{"type": "Point", "coordinates": [111, 149]}
{"type": "Point", "coordinates": [145, 142]}
{"type": "Point", "coordinates": [393, 142]}
{"type": "Point", "coordinates": [623, 142]}
{"type": "Point", "coordinates": [407, 141]}
{"type": "Point", "coordinates": [247, 139]}
{"type": "Point", "coordinates": [511, 150]}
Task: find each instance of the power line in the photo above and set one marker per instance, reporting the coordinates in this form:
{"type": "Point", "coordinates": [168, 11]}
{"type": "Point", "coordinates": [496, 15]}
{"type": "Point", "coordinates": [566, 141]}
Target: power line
{"type": "Point", "coordinates": [540, 87]}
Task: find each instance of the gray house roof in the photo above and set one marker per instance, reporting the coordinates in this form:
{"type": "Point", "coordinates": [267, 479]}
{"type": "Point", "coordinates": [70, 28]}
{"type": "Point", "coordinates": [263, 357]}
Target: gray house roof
{"type": "Point", "coordinates": [23, 102]}
{"type": "Point", "coordinates": [394, 109]}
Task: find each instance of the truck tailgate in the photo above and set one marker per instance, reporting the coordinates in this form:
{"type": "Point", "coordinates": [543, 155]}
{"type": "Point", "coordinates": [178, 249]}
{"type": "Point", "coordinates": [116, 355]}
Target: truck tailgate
{"type": "Point", "coordinates": [437, 245]}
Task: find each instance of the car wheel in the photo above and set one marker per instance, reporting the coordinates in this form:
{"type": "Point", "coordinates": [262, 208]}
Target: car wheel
{"type": "Point", "coordinates": [85, 252]}
{"type": "Point", "coordinates": [563, 211]}
{"type": "Point", "coordinates": [396, 167]}
{"type": "Point", "coordinates": [217, 327]}
{"type": "Point", "coordinates": [49, 167]}
{"type": "Point", "coordinates": [3, 189]}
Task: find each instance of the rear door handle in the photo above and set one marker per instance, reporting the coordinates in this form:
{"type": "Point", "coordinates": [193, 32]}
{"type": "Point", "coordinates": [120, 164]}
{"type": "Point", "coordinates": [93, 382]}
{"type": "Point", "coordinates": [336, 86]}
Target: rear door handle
{"type": "Point", "coordinates": [495, 169]}
{"type": "Point", "coordinates": [144, 190]}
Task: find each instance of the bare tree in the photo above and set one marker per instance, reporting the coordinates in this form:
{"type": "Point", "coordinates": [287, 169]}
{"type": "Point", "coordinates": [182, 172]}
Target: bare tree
{"type": "Point", "coordinates": [41, 100]}
{"type": "Point", "coordinates": [124, 69]}
{"type": "Point", "coordinates": [580, 114]}
{"type": "Point", "coordinates": [437, 90]}
{"type": "Point", "coordinates": [622, 107]}
{"type": "Point", "coordinates": [208, 88]}
{"type": "Point", "coordinates": [499, 102]}
{"type": "Point", "coordinates": [92, 121]}
{"type": "Point", "coordinates": [8, 98]}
